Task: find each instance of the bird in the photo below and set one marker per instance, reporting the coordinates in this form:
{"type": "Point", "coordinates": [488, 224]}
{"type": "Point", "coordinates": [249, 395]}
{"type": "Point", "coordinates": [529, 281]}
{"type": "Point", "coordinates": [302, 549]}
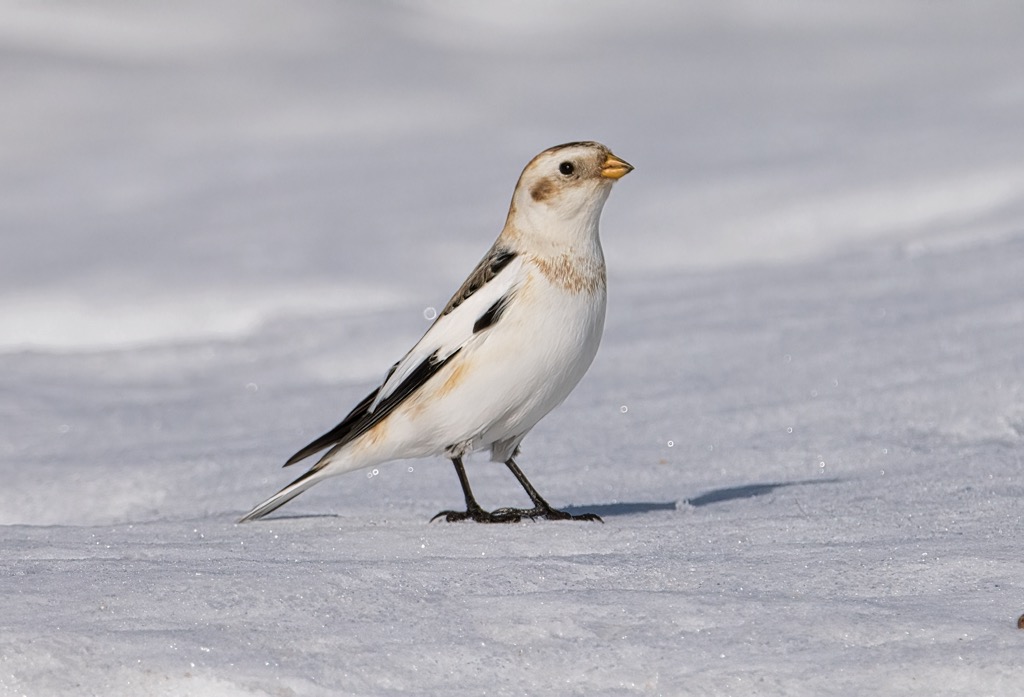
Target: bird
{"type": "Point", "coordinates": [511, 344]}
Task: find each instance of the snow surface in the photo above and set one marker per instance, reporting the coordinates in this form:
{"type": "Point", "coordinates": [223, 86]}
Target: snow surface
{"type": "Point", "coordinates": [222, 221]}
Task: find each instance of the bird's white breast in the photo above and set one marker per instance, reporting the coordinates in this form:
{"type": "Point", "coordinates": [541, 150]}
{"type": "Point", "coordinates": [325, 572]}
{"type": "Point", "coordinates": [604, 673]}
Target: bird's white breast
{"type": "Point", "coordinates": [512, 374]}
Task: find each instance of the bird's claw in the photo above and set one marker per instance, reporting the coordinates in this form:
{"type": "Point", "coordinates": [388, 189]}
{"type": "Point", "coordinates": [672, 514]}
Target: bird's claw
{"type": "Point", "coordinates": [478, 515]}
{"type": "Point", "coordinates": [549, 513]}
{"type": "Point", "coordinates": [512, 515]}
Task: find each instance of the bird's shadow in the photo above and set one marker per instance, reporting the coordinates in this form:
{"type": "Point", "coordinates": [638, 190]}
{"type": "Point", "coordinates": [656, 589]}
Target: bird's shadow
{"type": "Point", "coordinates": [608, 510]}
{"type": "Point", "coordinates": [731, 493]}
{"type": "Point", "coordinates": [749, 491]}
{"type": "Point", "coordinates": [611, 510]}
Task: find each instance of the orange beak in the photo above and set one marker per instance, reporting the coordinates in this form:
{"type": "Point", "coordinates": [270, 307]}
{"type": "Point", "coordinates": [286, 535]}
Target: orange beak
{"type": "Point", "coordinates": [614, 168]}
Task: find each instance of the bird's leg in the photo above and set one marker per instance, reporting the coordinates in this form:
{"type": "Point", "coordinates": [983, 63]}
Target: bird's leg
{"type": "Point", "coordinates": [473, 510]}
{"type": "Point", "coordinates": [541, 508]}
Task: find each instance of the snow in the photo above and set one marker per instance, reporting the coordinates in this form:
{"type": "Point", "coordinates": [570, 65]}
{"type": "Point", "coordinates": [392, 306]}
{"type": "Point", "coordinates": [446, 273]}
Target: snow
{"type": "Point", "coordinates": [223, 221]}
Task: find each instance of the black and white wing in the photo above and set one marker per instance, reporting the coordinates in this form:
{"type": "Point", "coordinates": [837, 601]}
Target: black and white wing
{"type": "Point", "coordinates": [477, 305]}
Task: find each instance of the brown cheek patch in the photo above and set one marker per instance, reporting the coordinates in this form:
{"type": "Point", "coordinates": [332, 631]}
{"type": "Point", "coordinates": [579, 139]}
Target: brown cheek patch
{"type": "Point", "coordinates": [543, 190]}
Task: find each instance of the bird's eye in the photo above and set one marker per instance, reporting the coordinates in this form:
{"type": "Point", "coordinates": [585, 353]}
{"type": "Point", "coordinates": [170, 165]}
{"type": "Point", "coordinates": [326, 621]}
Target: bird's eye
{"type": "Point", "coordinates": [566, 168]}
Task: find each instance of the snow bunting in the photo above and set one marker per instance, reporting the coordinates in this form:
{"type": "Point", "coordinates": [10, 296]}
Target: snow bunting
{"type": "Point", "coordinates": [508, 347]}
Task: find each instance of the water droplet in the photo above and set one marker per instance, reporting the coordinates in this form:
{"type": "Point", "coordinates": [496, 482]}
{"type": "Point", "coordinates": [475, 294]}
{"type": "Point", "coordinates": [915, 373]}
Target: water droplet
{"type": "Point", "coordinates": [429, 313]}
{"type": "Point", "coordinates": [885, 451]}
{"type": "Point", "coordinates": [410, 469]}
{"type": "Point", "coordinates": [377, 471]}
{"type": "Point", "coordinates": [671, 443]}
{"type": "Point", "coordinates": [623, 408]}
{"type": "Point", "coordinates": [789, 429]}
{"type": "Point", "coordinates": [252, 386]}
{"type": "Point", "coordinates": [63, 428]}
{"type": "Point", "coordinates": [821, 464]}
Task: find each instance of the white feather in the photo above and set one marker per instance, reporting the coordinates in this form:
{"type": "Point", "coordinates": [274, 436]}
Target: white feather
{"type": "Point", "coordinates": [451, 332]}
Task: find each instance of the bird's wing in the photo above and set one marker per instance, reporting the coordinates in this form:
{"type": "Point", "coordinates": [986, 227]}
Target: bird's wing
{"type": "Point", "coordinates": [492, 282]}
{"type": "Point", "coordinates": [477, 305]}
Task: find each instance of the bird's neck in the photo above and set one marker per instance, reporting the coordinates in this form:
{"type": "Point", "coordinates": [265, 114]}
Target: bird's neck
{"type": "Point", "coordinates": [546, 233]}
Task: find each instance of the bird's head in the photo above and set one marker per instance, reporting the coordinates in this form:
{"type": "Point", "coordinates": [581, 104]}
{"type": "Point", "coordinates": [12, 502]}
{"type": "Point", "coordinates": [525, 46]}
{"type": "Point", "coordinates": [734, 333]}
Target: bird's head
{"type": "Point", "coordinates": [564, 189]}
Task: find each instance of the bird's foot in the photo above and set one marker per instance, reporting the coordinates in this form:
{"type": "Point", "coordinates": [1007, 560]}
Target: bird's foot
{"type": "Point", "coordinates": [512, 515]}
{"type": "Point", "coordinates": [479, 515]}
{"type": "Point", "coordinates": [545, 512]}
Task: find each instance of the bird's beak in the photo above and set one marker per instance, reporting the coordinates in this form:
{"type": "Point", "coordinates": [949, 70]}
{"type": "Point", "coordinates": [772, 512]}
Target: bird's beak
{"type": "Point", "coordinates": [614, 168]}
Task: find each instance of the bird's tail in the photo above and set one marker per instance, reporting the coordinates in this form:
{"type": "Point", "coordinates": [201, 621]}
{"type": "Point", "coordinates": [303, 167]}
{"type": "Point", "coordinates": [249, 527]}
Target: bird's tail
{"type": "Point", "coordinates": [285, 495]}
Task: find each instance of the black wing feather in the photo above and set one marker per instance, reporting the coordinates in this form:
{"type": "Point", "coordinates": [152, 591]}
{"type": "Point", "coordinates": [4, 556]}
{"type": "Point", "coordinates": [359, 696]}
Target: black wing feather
{"type": "Point", "coordinates": [493, 314]}
{"type": "Point", "coordinates": [489, 267]}
{"type": "Point", "coordinates": [338, 433]}
{"type": "Point", "coordinates": [361, 419]}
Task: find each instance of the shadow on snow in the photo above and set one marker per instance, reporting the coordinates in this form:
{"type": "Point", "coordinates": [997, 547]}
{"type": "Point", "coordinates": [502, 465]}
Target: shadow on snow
{"type": "Point", "coordinates": [746, 491]}
{"type": "Point", "coordinates": [606, 510]}
{"type": "Point", "coordinates": [610, 510]}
